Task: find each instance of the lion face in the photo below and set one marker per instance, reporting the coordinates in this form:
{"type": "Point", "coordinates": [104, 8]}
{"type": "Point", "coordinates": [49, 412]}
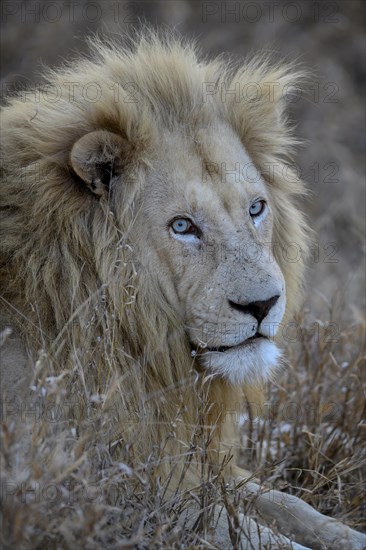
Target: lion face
{"type": "Point", "coordinates": [209, 230]}
{"type": "Point", "coordinates": [204, 234]}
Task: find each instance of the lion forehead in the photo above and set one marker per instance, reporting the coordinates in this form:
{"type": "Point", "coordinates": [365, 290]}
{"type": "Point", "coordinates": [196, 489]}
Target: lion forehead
{"type": "Point", "coordinates": [212, 169]}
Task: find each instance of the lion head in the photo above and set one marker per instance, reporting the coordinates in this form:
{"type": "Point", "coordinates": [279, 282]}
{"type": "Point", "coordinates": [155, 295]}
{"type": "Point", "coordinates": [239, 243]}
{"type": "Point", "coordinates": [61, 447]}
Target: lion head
{"type": "Point", "coordinates": [146, 208]}
{"type": "Point", "coordinates": [204, 233]}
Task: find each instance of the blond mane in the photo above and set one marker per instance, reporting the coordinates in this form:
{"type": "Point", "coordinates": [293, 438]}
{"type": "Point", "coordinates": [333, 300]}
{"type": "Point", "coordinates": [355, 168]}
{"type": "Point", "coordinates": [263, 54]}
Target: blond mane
{"type": "Point", "coordinates": [72, 279]}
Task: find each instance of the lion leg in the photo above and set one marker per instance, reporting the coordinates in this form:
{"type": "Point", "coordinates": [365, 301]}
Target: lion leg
{"type": "Point", "coordinates": [248, 534]}
{"type": "Point", "coordinates": [238, 531]}
{"type": "Point", "coordinates": [297, 519]}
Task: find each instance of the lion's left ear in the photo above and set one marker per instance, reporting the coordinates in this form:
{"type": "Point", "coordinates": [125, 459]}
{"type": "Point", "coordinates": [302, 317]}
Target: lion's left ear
{"type": "Point", "coordinates": [97, 157]}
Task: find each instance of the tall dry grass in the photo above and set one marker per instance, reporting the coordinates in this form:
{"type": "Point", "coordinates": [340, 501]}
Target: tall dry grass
{"type": "Point", "coordinates": [63, 487]}
{"type": "Point", "coordinates": [311, 438]}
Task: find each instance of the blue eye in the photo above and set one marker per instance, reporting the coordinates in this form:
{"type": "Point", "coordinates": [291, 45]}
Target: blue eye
{"type": "Point", "coordinates": [184, 226]}
{"type": "Point", "coordinates": [257, 208]}
{"type": "Point", "coordinates": [181, 225]}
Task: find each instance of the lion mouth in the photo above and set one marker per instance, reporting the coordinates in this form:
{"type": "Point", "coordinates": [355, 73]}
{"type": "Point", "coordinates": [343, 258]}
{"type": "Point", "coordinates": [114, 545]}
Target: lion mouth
{"type": "Point", "coordinates": [247, 342]}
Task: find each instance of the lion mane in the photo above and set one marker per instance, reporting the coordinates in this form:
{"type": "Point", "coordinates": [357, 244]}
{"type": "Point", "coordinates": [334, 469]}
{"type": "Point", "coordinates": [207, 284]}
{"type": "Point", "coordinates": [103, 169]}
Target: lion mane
{"type": "Point", "coordinates": [75, 283]}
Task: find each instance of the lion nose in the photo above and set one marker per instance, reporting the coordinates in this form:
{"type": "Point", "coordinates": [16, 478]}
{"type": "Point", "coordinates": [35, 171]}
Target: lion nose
{"type": "Point", "coordinates": [259, 309]}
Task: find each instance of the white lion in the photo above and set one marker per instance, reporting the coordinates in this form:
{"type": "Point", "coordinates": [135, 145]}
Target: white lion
{"type": "Point", "coordinates": [139, 216]}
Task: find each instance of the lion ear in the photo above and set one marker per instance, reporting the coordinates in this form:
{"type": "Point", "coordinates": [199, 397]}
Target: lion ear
{"type": "Point", "coordinates": [97, 157]}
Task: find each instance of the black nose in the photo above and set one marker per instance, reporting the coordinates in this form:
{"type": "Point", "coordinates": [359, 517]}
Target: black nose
{"type": "Point", "coordinates": [259, 310]}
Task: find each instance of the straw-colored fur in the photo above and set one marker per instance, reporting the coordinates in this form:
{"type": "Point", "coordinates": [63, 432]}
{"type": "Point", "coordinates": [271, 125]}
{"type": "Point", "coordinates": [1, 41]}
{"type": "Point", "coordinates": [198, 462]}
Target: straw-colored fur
{"type": "Point", "coordinates": [94, 170]}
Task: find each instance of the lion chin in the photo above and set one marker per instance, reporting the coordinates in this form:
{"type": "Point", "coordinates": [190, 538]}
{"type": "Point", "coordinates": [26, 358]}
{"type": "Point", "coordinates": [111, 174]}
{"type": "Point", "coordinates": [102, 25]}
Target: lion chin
{"type": "Point", "coordinates": [253, 361]}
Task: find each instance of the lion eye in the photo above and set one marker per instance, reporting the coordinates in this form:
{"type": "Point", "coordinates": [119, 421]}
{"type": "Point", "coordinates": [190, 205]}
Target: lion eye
{"type": "Point", "coordinates": [257, 208]}
{"type": "Point", "coordinates": [182, 226]}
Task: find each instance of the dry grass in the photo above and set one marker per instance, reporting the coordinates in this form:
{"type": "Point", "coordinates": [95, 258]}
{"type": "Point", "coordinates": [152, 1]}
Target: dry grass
{"type": "Point", "coordinates": [310, 441]}
{"type": "Point", "coordinates": [65, 488]}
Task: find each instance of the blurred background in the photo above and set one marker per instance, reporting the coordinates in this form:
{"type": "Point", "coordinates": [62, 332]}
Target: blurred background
{"type": "Point", "coordinates": [325, 36]}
